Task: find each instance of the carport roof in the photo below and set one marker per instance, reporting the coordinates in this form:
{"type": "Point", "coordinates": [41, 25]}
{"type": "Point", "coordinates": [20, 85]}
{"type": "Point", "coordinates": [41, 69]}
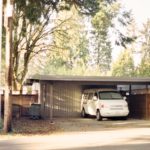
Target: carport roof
{"type": "Point", "coordinates": [99, 79]}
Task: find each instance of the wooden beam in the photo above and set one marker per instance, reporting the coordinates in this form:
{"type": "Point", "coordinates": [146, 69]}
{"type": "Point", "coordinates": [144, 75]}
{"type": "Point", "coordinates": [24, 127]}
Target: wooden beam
{"type": "Point", "coordinates": [51, 103]}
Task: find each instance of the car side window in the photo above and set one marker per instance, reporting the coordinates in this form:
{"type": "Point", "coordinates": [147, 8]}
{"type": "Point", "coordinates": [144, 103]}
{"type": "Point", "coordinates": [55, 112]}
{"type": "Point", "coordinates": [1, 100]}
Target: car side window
{"type": "Point", "coordinates": [90, 97]}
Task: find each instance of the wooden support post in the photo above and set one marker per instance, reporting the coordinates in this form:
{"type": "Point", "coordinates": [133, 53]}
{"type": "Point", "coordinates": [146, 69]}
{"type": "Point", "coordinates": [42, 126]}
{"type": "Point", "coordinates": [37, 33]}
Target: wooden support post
{"type": "Point", "coordinates": [51, 103]}
{"type": "Point", "coordinates": [130, 89]}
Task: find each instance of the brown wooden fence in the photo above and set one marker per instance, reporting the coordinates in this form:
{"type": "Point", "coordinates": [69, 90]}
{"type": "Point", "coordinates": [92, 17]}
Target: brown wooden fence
{"type": "Point", "coordinates": [140, 106]}
{"type": "Point", "coordinates": [21, 104]}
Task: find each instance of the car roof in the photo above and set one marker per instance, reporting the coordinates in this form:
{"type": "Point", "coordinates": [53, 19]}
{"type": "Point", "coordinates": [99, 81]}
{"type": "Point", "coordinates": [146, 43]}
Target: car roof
{"type": "Point", "coordinates": [99, 90]}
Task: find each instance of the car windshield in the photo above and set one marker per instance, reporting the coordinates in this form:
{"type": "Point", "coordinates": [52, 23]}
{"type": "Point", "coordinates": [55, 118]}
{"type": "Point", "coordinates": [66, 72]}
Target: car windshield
{"type": "Point", "coordinates": [110, 95]}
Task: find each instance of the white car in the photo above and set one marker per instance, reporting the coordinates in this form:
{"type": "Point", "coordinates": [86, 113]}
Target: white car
{"type": "Point", "coordinates": [103, 103]}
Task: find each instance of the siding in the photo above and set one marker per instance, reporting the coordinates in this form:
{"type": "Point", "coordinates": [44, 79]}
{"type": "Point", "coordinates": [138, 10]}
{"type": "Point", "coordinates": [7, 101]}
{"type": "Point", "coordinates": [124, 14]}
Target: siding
{"type": "Point", "coordinates": [45, 99]}
{"type": "Point", "coordinates": [67, 100]}
{"type": "Point", "coordinates": [64, 97]}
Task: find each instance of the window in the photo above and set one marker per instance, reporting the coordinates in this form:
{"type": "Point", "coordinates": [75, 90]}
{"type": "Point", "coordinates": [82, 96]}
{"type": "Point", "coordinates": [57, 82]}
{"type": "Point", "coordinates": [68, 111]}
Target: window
{"type": "Point", "coordinates": [110, 95]}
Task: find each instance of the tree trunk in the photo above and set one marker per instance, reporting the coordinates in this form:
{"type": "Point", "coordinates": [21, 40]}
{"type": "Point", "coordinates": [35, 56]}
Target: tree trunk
{"type": "Point", "coordinates": [8, 79]}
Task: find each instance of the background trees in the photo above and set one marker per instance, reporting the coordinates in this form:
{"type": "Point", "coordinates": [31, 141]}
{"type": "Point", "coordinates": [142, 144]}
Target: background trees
{"type": "Point", "coordinates": [144, 66]}
{"type": "Point", "coordinates": [33, 30]}
{"type": "Point", "coordinates": [136, 60]}
{"type": "Point", "coordinates": [124, 65]}
{"type": "Point", "coordinates": [74, 37]}
{"type": "Point", "coordinates": [102, 22]}
{"type": "Point", "coordinates": [82, 43]}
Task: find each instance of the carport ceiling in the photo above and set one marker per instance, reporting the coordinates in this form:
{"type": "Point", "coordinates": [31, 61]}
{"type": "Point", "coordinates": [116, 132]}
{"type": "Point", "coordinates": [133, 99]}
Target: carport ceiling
{"type": "Point", "coordinates": [90, 79]}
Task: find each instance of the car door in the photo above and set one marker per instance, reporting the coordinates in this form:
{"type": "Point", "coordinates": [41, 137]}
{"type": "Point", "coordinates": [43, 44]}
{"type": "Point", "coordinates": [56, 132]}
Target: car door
{"type": "Point", "coordinates": [90, 104]}
{"type": "Point", "coordinates": [94, 103]}
{"type": "Point", "coordinates": [84, 102]}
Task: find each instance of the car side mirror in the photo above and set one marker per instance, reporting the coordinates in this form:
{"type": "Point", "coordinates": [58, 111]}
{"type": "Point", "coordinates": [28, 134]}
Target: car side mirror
{"type": "Point", "coordinates": [95, 98]}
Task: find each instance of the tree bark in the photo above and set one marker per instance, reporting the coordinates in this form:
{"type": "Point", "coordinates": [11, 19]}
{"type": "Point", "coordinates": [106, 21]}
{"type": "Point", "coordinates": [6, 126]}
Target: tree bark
{"type": "Point", "coordinates": [8, 77]}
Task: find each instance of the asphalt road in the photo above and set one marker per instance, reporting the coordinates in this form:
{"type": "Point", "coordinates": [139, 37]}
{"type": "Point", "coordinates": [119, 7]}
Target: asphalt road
{"type": "Point", "coordinates": [130, 138]}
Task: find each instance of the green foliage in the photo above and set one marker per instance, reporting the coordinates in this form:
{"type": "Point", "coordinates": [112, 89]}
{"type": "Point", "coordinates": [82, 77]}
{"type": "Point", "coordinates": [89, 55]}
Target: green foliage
{"type": "Point", "coordinates": [34, 10]}
{"type": "Point", "coordinates": [65, 38]}
{"type": "Point", "coordinates": [32, 29]}
{"type": "Point", "coordinates": [145, 40]}
{"type": "Point", "coordinates": [89, 7]}
{"type": "Point", "coordinates": [102, 21]}
{"type": "Point", "coordinates": [124, 66]}
{"type": "Point", "coordinates": [144, 67]}
{"type": "Point", "coordinates": [70, 52]}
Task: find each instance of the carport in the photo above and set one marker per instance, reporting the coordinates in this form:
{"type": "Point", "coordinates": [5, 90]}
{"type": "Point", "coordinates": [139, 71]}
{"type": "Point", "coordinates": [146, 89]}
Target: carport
{"type": "Point", "coordinates": [60, 96]}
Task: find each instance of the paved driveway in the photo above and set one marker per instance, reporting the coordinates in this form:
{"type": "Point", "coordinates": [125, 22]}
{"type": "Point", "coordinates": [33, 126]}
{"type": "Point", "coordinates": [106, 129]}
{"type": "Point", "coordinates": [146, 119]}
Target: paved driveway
{"type": "Point", "coordinates": [86, 134]}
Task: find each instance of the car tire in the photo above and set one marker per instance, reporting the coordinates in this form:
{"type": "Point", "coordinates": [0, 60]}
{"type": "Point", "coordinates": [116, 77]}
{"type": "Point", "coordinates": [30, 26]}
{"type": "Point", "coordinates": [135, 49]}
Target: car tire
{"type": "Point", "coordinates": [83, 113]}
{"type": "Point", "coordinates": [98, 116]}
{"type": "Point", "coordinates": [124, 118]}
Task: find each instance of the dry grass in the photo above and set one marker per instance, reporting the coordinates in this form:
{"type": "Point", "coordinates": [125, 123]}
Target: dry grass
{"type": "Point", "coordinates": [26, 126]}
{"type": "Point", "coordinates": [29, 126]}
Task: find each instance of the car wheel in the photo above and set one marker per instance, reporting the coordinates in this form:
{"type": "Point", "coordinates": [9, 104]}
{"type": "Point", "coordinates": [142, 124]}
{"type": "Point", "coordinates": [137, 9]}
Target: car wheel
{"type": "Point", "coordinates": [98, 115]}
{"type": "Point", "coordinates": [124, 118]}
{"type": "Point", "coordinates": [83, 114]}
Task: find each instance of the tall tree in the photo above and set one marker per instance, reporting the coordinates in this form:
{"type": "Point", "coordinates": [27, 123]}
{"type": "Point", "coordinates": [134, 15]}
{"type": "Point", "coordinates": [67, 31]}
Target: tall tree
{"type": "Point", "coordinates": [103, 22]}
{"type": "Point", "coordinates": [124, 66]}
{"type": "Point", "coordinates": [144, 67]}
{"type": "Point", "coordinates": [71, 50]}
{"type": "Point", "coordinates": [32, 30]}
{"type": "Point", "coordinates": [29, 40]}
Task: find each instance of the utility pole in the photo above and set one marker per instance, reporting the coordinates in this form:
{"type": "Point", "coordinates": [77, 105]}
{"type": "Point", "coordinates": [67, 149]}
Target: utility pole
{"type": "Point", "coordinates": [1, 26]}
{"type": "Point", "coordinates": [8, 67]}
